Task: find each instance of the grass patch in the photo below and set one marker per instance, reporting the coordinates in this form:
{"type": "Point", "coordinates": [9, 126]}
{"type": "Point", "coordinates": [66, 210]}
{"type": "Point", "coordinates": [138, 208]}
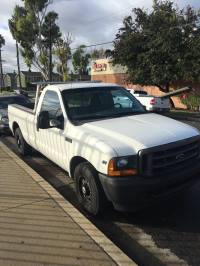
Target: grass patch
{"type": "Point", "coordinates": [183, 113]}
{"type": "Point", "coordinates": [6, 92]}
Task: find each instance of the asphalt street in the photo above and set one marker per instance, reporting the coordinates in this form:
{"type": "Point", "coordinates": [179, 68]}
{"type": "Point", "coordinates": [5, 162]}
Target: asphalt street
{"type": "Point", "coordinates": [173, 225]}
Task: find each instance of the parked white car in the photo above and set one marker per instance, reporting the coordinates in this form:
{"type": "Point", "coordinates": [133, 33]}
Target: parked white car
{"type": "Point", "coordinates": [103, 137]}
{"type": "Point", "coordinates": [152, 103]}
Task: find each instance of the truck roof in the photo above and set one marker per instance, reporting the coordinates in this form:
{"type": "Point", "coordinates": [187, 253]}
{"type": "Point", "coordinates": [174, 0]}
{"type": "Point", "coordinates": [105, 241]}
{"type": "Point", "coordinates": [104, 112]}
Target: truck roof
{"type": "Point", "coordinates": [79, 85]}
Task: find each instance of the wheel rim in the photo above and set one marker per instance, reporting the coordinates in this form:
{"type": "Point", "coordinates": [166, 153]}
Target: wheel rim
{"type": "Point", "coordinates": [85, 190]}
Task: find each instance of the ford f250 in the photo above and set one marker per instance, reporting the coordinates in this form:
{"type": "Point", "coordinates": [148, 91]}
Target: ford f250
{"type": "Point", "coordinates": [113, 149]}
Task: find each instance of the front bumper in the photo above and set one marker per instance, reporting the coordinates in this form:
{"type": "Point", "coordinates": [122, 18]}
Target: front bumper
{"type": "Point", "coordinates": [135, 192]}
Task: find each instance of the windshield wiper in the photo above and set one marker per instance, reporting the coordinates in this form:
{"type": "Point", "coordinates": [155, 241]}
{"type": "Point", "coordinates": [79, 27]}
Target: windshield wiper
{"type": "Point", "coordinates": [94, 116]}
{"type": "Point", "coordinates": [128, 113]}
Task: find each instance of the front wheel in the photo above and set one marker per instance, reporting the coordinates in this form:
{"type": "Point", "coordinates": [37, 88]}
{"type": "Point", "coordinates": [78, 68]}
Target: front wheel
{"type": "Point", "coordinates": [22, 147]}
{"type": "Point", "coordinates": [88, 188]}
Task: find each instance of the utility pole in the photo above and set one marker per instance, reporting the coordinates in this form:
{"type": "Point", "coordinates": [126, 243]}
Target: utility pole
{"type": "Point", "coordinates": [1, 72]}
{"type": "Point", "coordinates": [18, 67]}
{"type": "Point", "coordinates": [50, 51]}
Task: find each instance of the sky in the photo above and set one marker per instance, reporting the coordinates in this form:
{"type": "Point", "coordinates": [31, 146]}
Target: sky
{"type": "Point", "coordinates": [88, 21]}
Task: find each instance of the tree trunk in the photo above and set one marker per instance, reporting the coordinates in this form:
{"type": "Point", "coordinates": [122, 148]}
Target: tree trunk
{"type": "Point", "coordinates": [50, 52]}
{"type": "Point", "coordinates": [160, 87]}
{"type": "Point", "coordinates": [167, 87]}
{"type": "Point", "coordinates": [1, 72]}
{"type": "Point", "coordinates": [18, 66]}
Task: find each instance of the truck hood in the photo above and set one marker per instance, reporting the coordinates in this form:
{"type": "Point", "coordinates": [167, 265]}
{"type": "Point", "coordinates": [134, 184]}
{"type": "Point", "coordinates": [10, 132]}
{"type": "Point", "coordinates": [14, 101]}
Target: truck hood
{"type": "Point", "coordinates": [128, 135]}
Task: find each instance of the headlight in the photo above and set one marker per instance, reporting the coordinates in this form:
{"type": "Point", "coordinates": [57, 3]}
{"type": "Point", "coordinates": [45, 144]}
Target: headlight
{"type": "Point", "coordinates": [4, 119]}
{"type": "Point", "coordinates": [123, 166]}
{"type": "Point", "coordinates": [122, 163]}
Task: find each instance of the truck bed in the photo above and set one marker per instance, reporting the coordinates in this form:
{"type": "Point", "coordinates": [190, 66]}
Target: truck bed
{"type": "Point", "coordinates": [24, 118]}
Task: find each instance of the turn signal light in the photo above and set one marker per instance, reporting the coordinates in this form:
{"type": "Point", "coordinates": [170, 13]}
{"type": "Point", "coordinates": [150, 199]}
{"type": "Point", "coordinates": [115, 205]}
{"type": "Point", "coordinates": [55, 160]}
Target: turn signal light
{"type": "Point", "coordinates": [113, 171]}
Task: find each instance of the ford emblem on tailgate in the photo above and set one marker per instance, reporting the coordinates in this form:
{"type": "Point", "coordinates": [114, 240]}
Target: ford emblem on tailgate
{"type": "Point", "coordinates": [180, 156]}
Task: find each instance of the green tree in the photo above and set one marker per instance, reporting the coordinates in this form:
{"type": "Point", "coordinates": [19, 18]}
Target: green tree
{"type": "Point", "coordinates": [63, 53]}
{"type": "Point", "coordinates": [36, 31]}
{"type": "Point", "coordinates": [2, 43]}
{"type": "Point", "coordinates": [80, 61]}
{"type": "Point", "coordinates": [98, 54]}
{"type": "Point", "coordinates": [160, 47]}
{"type": "Point", "coordinates": [51, 33]}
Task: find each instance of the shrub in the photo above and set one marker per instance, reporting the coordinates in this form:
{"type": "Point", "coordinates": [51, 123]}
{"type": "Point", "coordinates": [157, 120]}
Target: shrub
{"type": "Point", "coordinates": [191, 101]}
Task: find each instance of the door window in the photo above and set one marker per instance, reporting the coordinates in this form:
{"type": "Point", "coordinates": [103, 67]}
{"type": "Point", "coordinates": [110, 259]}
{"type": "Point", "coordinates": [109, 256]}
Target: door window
{"type": "Point", "coordinates": [51, 104]}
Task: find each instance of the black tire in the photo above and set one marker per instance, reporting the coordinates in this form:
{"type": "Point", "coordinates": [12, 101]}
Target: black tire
{"type": "Point", "coordinates": [22, 147]}
{"type": "Point", "coordinates": [89, 190]}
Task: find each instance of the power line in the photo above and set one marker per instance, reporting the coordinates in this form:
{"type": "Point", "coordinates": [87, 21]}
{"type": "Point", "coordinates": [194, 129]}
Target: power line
{"type": "Point", "coordinates": [92, 45]}
{"type": "Point", "coordinates": [103, 43]}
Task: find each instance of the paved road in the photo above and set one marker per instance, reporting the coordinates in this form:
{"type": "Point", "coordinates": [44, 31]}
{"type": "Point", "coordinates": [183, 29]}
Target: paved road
{"type": "Point", "coordinates": [173, 225]}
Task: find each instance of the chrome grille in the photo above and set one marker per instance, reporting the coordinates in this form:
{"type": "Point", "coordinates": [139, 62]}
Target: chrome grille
{"type": "Point", "coordinates": [169, 158]}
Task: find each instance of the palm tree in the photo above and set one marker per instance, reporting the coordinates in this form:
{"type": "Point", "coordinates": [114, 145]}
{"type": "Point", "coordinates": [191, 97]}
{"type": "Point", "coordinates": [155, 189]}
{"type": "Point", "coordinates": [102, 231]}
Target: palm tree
{"type": "Point", "coordinates": [2, 43]}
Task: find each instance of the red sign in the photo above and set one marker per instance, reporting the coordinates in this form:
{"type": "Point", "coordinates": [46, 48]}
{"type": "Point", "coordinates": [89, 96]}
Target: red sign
{"type": "Point", "coordinates": [99, 67]}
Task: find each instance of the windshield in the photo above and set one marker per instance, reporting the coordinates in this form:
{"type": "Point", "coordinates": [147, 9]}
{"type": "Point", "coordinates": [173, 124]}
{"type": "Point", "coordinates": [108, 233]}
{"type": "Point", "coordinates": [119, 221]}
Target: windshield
{"type": "Point", "coordinates": [101, 102]}
{"type": "Point", "coordinates": [5, 101]}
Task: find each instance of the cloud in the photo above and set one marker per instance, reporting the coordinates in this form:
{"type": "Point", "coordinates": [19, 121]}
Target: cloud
{"type": "Point", "coordinates": [3, 27]}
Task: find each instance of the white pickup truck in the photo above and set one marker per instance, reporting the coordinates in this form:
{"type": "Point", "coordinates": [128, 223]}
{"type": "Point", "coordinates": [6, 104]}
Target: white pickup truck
{"type": "Point", "coordinates": [114, 151]}
{"type": "Point", "coordinates": [152, 103]}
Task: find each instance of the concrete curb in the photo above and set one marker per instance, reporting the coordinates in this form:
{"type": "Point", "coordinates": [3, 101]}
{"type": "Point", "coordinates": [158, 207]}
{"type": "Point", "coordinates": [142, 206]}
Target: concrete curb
{"type": "Point", "coordinates": [115, 253]}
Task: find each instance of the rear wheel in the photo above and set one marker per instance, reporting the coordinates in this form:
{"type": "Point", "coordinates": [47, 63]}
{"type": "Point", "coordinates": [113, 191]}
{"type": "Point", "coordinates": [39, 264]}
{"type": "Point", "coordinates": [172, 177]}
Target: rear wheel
{"type": "Point", "coordinates": [22, 147]}
{"type": "Point", "coordinates": [88, 188]}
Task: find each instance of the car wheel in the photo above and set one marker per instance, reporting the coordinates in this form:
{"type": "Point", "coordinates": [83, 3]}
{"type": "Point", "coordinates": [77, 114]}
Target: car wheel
{"type": "Point", "coordinates": [22, 147]}
{"type": "Point", "coordinates": [89, 190]}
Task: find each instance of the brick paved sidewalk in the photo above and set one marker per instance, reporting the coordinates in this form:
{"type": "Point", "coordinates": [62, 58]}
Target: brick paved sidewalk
{"type": "Point", "coordinates": [39, 227]}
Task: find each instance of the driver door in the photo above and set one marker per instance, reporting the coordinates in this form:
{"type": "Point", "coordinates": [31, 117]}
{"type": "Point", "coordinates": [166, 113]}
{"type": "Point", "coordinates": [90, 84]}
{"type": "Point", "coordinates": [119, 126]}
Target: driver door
{"type": "Point", "coordinates": [51, 141]}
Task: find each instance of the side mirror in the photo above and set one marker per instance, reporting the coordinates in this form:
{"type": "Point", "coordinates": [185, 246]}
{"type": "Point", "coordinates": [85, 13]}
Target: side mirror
{"type": "Point", "coordinates": [43, 120]}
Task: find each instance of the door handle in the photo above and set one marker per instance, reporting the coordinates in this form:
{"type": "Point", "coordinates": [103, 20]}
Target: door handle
{"type": "Point", "coordinates": [68, 139]}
